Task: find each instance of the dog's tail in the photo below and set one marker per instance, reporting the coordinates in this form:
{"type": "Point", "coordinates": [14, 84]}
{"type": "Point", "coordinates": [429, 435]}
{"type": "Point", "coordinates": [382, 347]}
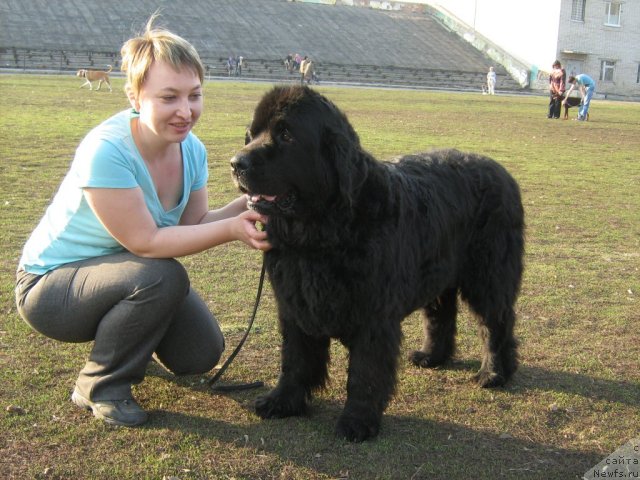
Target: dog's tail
{"type": "Point", "coordinates": [109, 69]}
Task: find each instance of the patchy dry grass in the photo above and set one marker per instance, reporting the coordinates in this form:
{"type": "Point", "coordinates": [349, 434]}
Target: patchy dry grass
{"type": "Point", "coordinates": [575, 399]}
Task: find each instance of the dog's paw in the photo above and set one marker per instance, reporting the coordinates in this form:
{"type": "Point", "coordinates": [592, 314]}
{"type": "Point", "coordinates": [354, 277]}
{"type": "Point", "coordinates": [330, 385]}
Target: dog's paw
{"type": "Point", "coordinates": [279, 406]}
{"type": "Point", "coordinates": [355, 429]}
{"type": "Point", "coordinates": [425, 360]}
{"type": "Point", "coordinates": [488, 379]}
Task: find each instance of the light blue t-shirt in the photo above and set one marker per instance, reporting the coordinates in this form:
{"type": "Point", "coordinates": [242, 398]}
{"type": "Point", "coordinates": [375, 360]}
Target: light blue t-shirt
{"type": "Point", "coordinates": [106, 158]}
{"type": "Point", "coordinates": [585, 80]}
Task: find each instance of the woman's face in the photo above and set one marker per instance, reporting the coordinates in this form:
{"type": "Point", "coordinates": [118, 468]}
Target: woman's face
{"type": "Point", "coordinates": [169, 102]}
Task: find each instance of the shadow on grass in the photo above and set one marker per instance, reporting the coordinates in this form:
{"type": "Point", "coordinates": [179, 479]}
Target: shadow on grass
{"type": "Point", "coordinates": [407, 448]}
{"type": "Point", "coordinates": [620, 391]}
{"type": "Point", "coordinates": [534, 378]}
{"type": "Point", "coordinates": [410, 447]}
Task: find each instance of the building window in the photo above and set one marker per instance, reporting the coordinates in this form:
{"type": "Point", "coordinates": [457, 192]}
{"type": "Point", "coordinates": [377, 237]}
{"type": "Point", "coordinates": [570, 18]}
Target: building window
{"type": "Point", "coordinates": [577, 10]}
{"type": "Point", "coordinates": [606, 70]}
{"type": "Point", "coordinates": [612, 14]}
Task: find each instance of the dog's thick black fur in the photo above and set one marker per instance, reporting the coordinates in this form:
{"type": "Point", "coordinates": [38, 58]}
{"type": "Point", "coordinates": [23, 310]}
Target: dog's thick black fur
{"type": "Point", "coordinates": [360, 244]}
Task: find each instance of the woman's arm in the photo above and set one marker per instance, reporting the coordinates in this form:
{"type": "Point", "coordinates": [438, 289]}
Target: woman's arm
{"type": "Point", "coordinates": [125, 216]}
{"type": "Point", "coordinates": [197, 209]}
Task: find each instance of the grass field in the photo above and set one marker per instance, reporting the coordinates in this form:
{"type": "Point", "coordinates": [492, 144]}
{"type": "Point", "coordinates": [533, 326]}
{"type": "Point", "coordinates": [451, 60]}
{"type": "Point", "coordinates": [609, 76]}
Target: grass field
{"type": "Point", "coordinates": [575, 399]}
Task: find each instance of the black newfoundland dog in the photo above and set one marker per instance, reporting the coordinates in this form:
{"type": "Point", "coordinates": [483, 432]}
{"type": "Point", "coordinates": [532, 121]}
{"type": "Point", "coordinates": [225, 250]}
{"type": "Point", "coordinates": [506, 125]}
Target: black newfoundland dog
{"type": "Point", "coordinates": [359, 244]}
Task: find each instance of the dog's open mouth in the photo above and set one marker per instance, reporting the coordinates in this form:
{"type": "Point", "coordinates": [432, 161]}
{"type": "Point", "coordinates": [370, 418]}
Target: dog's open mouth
{"type": "Point", "coordinates": [255, 201]}
{"type": "Point", "coordinates": [271, 204]}
{"type": "Point", "coordinates": [266, 203]}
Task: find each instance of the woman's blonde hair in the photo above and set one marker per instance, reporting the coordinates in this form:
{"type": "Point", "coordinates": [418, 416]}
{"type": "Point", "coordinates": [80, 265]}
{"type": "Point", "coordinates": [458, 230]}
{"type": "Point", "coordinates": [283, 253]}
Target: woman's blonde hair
{"type": "Point", "coordinates": [156, 44]}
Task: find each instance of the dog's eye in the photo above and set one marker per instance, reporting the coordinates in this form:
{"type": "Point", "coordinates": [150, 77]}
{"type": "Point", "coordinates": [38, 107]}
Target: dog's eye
{"type": "Point", "coordinates": [285, 136]}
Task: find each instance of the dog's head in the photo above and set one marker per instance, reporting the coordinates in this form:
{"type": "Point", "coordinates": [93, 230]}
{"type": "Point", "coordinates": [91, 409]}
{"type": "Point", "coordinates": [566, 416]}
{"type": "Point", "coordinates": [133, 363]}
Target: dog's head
{"type": "Point", "coordinates": [301, 155]}
{"type": "Point", "coordinates": [81, 73]}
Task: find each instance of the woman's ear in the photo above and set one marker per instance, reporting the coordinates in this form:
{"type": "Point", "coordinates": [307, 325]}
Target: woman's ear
{"type": "Point", "coordinates": [133, 99]}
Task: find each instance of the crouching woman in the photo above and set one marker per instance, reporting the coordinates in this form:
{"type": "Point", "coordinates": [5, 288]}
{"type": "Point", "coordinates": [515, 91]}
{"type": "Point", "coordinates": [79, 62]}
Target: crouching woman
{"type": "Point", "coordinates": [100, 266]}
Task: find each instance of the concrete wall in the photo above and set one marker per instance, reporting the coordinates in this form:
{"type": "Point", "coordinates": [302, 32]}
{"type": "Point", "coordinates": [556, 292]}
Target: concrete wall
{"type": "Point", "coordinates": [519, 70]}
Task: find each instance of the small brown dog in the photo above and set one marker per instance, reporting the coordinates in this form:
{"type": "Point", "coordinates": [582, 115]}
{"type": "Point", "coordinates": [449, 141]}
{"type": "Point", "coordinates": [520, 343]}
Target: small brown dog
{"type": "Point", "coordinates": [95, 75]}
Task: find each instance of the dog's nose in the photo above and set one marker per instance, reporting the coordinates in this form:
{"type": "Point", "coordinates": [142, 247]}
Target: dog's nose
{"type": "Point", "coordinates": [240, 163]}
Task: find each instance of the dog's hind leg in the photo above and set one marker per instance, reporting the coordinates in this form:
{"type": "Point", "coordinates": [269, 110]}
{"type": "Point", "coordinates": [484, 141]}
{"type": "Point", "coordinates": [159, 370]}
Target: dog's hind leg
{"type": "Point", "coordinates": [304, 368]}
{"type": "Point", "coordinates": [439, 331]}
{"type": "Point", "coordinates": [491, 289]}
{"type": "Point", "coordinates": [499, 348]}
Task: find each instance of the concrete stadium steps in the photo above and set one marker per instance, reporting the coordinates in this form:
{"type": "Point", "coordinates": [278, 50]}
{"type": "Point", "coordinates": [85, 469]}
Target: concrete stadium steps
{"type": "Point", "coordinates": [267, 70]}
{"type": "Point", "coordinates": [418, 77]}
{"type": "Point", "coordinates": [347, 44]}
{"type": "Point", "coordinates": [56, 60]}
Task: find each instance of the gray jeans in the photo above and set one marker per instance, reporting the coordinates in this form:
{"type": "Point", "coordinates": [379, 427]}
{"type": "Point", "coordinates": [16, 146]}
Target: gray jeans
{"type": "Point", "coordinates": [133, 308]}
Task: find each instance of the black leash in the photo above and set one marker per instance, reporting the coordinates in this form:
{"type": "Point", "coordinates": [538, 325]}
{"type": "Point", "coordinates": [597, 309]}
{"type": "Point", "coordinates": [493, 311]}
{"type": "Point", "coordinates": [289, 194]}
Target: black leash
{"type": "Point", "coordinates": [216, 377]}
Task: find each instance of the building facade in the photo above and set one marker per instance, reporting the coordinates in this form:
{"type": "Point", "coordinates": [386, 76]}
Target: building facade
{"type": "Point", "coordinates": [602, 39]}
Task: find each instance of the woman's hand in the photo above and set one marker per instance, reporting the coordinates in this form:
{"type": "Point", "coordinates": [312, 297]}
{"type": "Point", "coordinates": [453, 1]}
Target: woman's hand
{"type": "Point", "coordinates": [248, 231]}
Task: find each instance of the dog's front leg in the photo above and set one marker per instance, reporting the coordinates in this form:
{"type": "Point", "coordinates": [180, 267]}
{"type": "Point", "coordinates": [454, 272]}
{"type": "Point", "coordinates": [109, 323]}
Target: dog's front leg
{"type": "Point", "coordinates": [304, 368]}
{"type": "Point", "coordinates": [373, 363]}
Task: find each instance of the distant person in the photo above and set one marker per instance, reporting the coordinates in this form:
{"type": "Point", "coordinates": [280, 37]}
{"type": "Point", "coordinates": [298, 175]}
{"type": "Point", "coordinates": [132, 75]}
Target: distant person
{"type": "Point", "coordinates": [491, 81]}
{"type": "Point", "coordinates": [232, 64]}
{"type": "Point", "coordinates": [227, 65]}
{"type": "Point", "coordinates": [587, 87]}
{"type": "Point", "coordinates": [101, 264]}
{"type": "Point", "coordinates": [241, 63]}
{"type": "Point", "coordinates": [303, 72]}
{"type": "Point", "coordinates": [557, 79]}
{"type": "Point", "coordinates": [308, 73]}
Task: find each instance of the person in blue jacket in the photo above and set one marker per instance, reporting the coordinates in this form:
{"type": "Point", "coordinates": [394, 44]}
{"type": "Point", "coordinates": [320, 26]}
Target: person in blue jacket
{"type": "Point", "coordinates": [587, 87]}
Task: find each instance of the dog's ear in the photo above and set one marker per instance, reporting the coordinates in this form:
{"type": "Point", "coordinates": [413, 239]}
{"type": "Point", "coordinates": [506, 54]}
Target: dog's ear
{"type": "Point", "coordinates": [346, 162]}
